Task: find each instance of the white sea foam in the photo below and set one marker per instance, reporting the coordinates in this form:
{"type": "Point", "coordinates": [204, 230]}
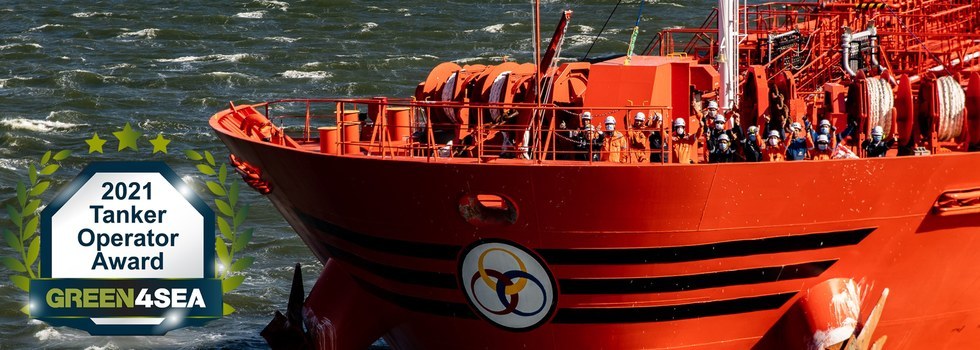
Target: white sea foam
{"type": "Point", "coordinates": [48, 334]}
{"type": "Point", "coordinates": [108, 346]}
{"type": "Point", "coordinates": [469, 59]}
{"type": "Point", "coordinates": [253, 14]}
{"type": "Point", "coordinates": [148, 33]}
{"type": "Point", "coordinates": [281, 39]}
{"type": "Point", "coordinates": [210, 58]}
{"type": "Point", "coordinates": [366, 27]}
{"type": "Point", "coordinates": [585, 29]}
{"type": "Point", "coordinates": [3, 82]}
{"type": "Point", "coordinates": [45, 26]}
{"type": "Point", "coordinates": [496, 28]}
{"type": "Point", "coordinates": [10, 46]}
{"type": "Point", "coordinates": [37, 125]}
{"type": "Point", "coordinates": [91, 14]}
{"type": "Point", "coordinates": [314, 75]}
{"type": "Point", "coordinates": [311, 64]}
{"type": "Point", "coordinates": [278, 5]}
{"type": "Point", "coordinates": [409, 58]}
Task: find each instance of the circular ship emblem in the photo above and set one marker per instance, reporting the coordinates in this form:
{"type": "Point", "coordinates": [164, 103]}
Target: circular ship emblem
{"type": "Point", "coordinates": [509, 286]}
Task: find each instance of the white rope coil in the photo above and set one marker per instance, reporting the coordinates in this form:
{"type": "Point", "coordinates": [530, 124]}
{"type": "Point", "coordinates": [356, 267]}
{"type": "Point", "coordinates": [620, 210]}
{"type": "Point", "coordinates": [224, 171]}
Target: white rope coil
{"type": "Point", "coordinates": [497, 93]}
{"type": "Point", "coordinates": [952, 104]}
{"type": "Point", "coordinates": [881, 101]}
{"type": "Point", "coordinates": [447, 95]}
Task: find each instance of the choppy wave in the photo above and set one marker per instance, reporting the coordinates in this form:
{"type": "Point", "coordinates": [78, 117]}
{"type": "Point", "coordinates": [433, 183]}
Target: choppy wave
{"type": "Point", "coordinates": [211, 58]}
{"type": "Point", "coordinates": [315, 75]}
{"type": "Point", "coordinates": [91, 14]}
{"type": "Point", "coordinates": [20, 45]}
{"type": "Point", "coordinates": [45, 26]}
{"type": "Point", "coordinates": [253, 14]}
{"type": "Point", "coordinates": [278, 5]}
{"type": "Point", "coordinates": [496, 28]}
{"type": "Point", "coordinates": [37, 125]}
{"type": "Point", "coordinates": [4, 82]}
{"type": "Point", "coordinates": [148, 33]}
{"type": "Point", "coordinates": [366, 27]}
{"type": "Point", "coordinates": [281, 39]}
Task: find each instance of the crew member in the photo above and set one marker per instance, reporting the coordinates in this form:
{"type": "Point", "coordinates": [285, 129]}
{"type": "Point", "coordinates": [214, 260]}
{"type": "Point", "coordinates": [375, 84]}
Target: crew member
{"type": "Point", "coordinates": [774, 149]}
{"type": "Point", "coordinates": [684, 143]}
{"type": "Point", "coordinates": [799, 142]}
{"type": "Point", "coordinates": [723, 152]}
{"type": "Point", "coordinates": [656, 138]}
{"type": "Point", "coordinates": [825, 128]}
{"type": "Point", "coordinates": [823, 151]}
{"type": "Point", "coordinates": [876, 146]}
{"type": "Point", "coordinates": [639, 140]}
{"type": "Point", "coordinates": [614, 144]}
{"type": "Point", "coordinates": [750, 150]}
{"type": "Point", "coordinates": [587, 143]}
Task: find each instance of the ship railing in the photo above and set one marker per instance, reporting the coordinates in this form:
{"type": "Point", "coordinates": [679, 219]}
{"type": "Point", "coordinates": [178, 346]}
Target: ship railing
{"type": "Point", "coordinates": [434, 130]}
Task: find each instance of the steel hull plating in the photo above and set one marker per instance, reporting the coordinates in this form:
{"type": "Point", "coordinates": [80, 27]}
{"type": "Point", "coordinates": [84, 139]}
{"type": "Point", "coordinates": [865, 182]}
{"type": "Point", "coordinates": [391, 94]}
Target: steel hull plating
{"type": "Point", "coordinates": [644, 257]}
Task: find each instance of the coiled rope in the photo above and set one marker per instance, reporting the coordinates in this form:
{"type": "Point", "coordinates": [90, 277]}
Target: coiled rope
{"type": "Point", "coordinates": [881, 101]}
{"type": "Point", "coordinates": [447, 95]}
{"type": "Point", "coordinates": [952, 104]}
{"type": "Point", "coordinates": [497, 93]}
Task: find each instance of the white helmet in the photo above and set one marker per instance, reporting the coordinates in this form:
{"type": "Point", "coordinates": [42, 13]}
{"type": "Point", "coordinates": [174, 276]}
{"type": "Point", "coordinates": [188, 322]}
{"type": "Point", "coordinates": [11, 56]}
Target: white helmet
{"type": "Point", "coordinates": [719, 119]}
{"type": "Point", "coordinates": [823, 139]}
{"type": "Point", "coordinates": [587, 115]}
{"type": "Point", "coordinates": [610, 120]}
{"type": "Point", "coordinates": [775, 134]}
{"type": "Point", "coordinates": [877, 131]}
{"type": "Point", "coordinates": [723, 137]}
{"type": "Point", "coordinates": [796, 126]}
{"type": "Point", "coordinates": [679, 122]}
{"type": "Point", "coordinates": [825, 122]}
{"type": "Point", "coordinates": [753, 129]}
{"type": "Point", "coordinates": [640, 116]}
{"type": "Point", "coordinates": [712, 104]}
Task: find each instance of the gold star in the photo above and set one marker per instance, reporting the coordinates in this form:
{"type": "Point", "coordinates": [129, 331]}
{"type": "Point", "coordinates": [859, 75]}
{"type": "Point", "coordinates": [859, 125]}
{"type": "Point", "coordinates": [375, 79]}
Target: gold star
{"type": "Point", "coordinates": [160, 144]}
{"type": "Point", "coordinates": [95, 144]}
{"type": "Point", "coordinates": [127, 138]}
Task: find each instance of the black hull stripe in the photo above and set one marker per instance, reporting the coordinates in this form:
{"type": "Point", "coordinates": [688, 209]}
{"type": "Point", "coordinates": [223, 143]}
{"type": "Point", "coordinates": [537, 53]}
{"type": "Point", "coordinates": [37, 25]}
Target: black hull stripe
{"type": "Point", "coordinates": [693, 282]}
{"type": "Point", "coordinates": [672, 312]}
{"type": "Point", "coordinates": [387, 245]}
{"type": "Point", "coordinates": [772, 245]}
{"type": "Point", "coordinates": [422, 305]}
{"type": "Point", "coordinates": [398, 274]}
{"type": "Point", "coordinates": [596, 315]}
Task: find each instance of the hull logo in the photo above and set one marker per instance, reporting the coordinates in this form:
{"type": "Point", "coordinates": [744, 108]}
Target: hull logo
{"type": "Point", "coordinates": [508, 285]}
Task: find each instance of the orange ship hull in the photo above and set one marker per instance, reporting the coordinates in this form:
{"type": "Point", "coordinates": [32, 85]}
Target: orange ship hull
{"type": "Point", "coordinates": [702, 256]}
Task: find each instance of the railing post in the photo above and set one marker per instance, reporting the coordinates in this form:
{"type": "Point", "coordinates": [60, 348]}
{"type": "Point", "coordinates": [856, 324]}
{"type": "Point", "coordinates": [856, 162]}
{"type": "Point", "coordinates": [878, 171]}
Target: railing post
{"type": "Point", "coordinates": [306, 132]}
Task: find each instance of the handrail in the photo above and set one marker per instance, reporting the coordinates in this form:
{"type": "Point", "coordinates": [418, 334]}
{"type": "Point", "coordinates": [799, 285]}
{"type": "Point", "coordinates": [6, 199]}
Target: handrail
{"type": "Point", "coordinates": [483, 140]}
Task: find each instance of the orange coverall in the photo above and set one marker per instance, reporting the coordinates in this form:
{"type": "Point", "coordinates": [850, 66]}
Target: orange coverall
{"type": "Point", "coordinates": [685, 148]}
{"type": "Point", "coordinates": [639, 142]}
{"type": "Point", "coordinates": [614, 148]}
{"type": "Point", "coordinates": [773, 153]}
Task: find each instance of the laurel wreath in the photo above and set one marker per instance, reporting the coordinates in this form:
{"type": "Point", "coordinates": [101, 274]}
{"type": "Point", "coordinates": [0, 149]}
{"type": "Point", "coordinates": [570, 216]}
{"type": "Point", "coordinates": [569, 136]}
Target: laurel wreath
{"type": "Point", "coordinates": [231, 240]}
{"type": "Point", "coordinates": [25, 216]}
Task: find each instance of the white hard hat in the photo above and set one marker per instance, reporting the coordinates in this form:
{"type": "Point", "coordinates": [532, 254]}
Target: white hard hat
{"type": "Point", "coordinates": [723, 137]}
{"type": "Point", "coordinates": [774, 133]}
{"type": "Point", "coordinates": [823, 139]}
{"type": "Point", "coordinates": [877, 131]}
{"type": "Point", "coordinates": [796, 126]}
{"type": "Point", "coordinates": [679, 122]}
{"type": "Point", "coordinates": [712, 104]}
{"type": "Point", "coordinates": [753, 129]}
{"type": "Point", "coordinates": [825, 122]}
{"type": "Point", "coordinates": [610, 120]}
{"type": "Point", "coordinates": [719, 118]}
{"type": "Point", "coordinates": [587, 115]}
{"type": "Point", "coordinates": [640, 116]}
